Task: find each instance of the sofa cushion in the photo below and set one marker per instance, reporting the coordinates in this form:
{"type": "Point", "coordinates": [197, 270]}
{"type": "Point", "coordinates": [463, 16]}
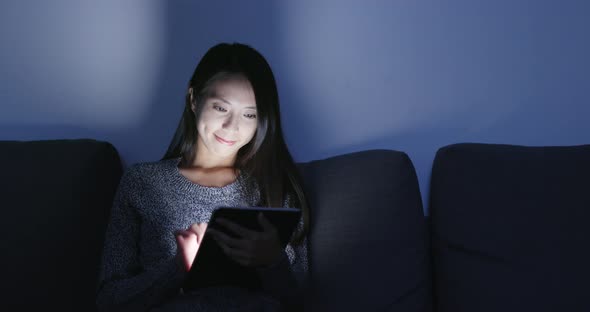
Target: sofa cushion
{"type": "Point", "coordinates": [55, 197]}
{"type": "Point", "coordinates": [510, 228]}
{"type": "Point", "coordinates": [368, 241]}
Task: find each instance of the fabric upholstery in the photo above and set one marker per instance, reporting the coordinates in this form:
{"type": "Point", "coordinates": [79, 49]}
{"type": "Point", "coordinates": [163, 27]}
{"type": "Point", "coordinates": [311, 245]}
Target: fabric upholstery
{"type": "Point", "coordinates": [510, 228]}
{"type": "Point", "coordinates": [55, 198]}
{"type": "Point", "coordinates": [368, 247]}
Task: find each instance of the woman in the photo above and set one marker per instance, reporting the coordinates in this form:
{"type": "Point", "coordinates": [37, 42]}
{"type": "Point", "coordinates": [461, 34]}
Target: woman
{"type": "Point", "coordinates": [227, 150]}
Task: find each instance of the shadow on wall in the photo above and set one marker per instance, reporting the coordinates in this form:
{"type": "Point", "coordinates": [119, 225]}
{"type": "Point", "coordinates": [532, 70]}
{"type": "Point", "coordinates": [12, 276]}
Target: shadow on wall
{"type": "Point", "coordinates": [421, 146]}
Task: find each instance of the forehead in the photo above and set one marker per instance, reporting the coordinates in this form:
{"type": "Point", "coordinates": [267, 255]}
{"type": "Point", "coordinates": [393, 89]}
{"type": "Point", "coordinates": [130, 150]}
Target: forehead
{"type": "Point", "coordinates": [235, 90]}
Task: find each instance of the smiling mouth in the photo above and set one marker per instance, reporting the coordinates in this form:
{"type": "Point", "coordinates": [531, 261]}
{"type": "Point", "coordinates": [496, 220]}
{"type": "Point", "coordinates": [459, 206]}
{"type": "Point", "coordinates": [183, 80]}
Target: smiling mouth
{"type": "Point", "coordinates": [222, 141]}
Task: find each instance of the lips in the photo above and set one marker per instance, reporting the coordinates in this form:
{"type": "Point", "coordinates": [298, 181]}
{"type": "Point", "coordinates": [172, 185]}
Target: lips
{"type": "Point", "coordinates": [222, 141]}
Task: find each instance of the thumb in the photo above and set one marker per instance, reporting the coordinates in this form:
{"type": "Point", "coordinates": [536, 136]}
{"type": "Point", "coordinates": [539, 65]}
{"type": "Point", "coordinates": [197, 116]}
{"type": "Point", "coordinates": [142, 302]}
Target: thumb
{"type": "Point", "coordinates": [183, 236]}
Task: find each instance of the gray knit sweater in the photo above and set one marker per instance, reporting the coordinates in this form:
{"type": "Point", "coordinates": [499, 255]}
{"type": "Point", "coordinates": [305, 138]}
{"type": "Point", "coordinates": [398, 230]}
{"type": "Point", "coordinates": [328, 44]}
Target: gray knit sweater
{"type": "Point", "coordinates": [139, 269]}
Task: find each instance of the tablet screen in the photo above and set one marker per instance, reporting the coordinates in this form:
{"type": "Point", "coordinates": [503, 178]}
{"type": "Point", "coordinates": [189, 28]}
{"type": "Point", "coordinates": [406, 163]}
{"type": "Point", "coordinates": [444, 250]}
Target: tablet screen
{"type": "Point", "coordinates": [212, 267]}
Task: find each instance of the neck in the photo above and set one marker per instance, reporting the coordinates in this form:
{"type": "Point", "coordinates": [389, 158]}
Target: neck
{"type": "Point", "coordinates": [211, 163]}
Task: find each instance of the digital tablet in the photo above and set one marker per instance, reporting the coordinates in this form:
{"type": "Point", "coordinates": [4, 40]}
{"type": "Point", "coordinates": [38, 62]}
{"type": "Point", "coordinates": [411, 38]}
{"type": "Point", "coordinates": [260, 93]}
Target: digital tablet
{"type": "Point", "coordinates": [212, 267]}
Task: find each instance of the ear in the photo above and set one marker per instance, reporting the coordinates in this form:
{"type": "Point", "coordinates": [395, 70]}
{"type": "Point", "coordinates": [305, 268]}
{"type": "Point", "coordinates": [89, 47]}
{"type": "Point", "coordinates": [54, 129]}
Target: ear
{"type": "Point", "coordinates": [192, 99]}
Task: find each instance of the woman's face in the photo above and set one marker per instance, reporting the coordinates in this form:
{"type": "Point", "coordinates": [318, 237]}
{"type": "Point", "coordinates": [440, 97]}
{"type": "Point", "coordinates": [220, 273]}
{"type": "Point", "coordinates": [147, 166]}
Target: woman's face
{"type": "Point", "coordinates": [227, 120]}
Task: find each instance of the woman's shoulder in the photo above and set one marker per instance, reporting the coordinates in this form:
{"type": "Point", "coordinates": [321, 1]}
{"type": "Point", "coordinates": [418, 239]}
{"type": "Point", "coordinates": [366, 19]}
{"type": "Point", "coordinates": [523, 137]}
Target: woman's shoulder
{"type": "Point", "coordinates": [143, 171]}
{"type": "Point", "coordinates": [141, 167]}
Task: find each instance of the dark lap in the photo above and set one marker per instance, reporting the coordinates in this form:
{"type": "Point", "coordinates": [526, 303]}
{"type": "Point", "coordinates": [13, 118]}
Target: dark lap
{"type": "Point", "coordinates": [220, 299]}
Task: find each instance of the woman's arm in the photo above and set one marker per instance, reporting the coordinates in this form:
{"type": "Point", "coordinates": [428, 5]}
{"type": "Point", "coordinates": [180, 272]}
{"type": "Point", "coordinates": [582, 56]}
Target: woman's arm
{"type": "Point", "coordinates": [286, 279]}
{"type": "Point", "coordinates": [123, 283]}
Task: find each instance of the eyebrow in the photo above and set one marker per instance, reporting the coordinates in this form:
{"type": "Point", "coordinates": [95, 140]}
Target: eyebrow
{"type": "Point", "coordinates": [225, 101]}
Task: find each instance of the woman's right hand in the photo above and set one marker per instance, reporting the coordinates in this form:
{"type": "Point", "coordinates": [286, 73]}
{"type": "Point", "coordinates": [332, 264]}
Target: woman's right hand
{"type": "Point", "coordinates": [188, 242]}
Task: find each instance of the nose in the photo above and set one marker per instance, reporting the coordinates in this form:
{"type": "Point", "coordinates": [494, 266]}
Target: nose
{"type": "Point", "coordinates": [231, 123]}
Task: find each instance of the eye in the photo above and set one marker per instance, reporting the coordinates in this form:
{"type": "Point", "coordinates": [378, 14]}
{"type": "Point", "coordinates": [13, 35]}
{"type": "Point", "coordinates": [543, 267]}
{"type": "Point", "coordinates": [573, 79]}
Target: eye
{"type": "Point", "coordinates": [250, 116]}
{"type": "Point", "coordinates": [219, 108]}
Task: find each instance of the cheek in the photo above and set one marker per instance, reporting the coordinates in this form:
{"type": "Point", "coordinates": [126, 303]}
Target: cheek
{"type": "Point", "coordinates": [206, 122]}
{"type": "Point", "coordinates": [200, 127]}
{"type": "Point", "coordinates": [251, 130]}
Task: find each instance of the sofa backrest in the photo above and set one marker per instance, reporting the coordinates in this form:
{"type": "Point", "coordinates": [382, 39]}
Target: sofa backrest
{"type": "Point", "coordinates": [368, 247]}
{"type": "Point", "coordinates": [55, 198]}
{"type": "Point", "coordinates": [510, 228]}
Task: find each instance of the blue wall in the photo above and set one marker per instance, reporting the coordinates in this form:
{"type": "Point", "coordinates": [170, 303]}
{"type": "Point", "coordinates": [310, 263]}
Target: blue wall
{"type": "Point", "coordinates": [353, 75]}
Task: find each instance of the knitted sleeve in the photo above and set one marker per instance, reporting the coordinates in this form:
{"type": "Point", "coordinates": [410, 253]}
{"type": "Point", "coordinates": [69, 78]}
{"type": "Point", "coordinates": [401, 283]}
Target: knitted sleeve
{"type": "Point", "coordinates": [287, 278]}
{"type": "Point", "coordinates": [123, 284]}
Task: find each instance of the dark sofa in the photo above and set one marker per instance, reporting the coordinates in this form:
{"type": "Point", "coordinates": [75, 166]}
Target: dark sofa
{"type": "Point", "coordinates": [56, 196]}
{"type": "Point", "coordinates": [510, 228]}
{"type": "Point", "coordinates": [507, 230]}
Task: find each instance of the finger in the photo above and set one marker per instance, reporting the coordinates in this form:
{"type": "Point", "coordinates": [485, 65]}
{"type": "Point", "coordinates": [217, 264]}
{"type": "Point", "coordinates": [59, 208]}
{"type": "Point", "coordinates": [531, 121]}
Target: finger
{"type": "Point", "coordinates": [198, 227]}
{"type": "Point", "coordinates": [183, 237]}
{"type": "Point", "coordinates": [236, 228]}
{"type": "Point", "coordinates": [226, 239]}
{"type": "Point", "coordinates": [199, 230]}
{"type": "Point", "coordinates": [202, 229]}
{"type": "Point", "coordinates": [266, 225]}
{"type": "Point", "coordinates": [183, 233]}
{"type": "Point", "coordinates": [237, 255]}
{"type": "Point", "coordinates": [194, 228]}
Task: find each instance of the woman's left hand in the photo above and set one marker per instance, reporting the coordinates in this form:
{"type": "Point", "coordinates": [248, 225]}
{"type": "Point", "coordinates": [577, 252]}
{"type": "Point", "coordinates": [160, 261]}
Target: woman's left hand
{"type": "Point", "coordinates": [251, 248]}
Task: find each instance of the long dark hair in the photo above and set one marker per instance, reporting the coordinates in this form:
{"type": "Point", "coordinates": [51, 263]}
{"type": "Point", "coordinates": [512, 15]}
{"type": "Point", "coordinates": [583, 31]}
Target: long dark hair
{"type": "Point", "coordinates": [266, 157]}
